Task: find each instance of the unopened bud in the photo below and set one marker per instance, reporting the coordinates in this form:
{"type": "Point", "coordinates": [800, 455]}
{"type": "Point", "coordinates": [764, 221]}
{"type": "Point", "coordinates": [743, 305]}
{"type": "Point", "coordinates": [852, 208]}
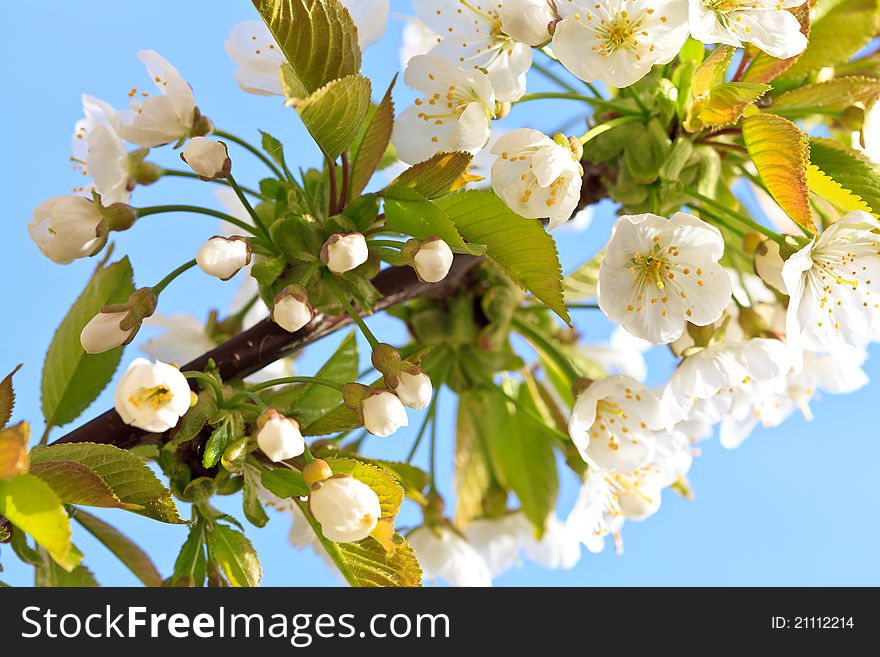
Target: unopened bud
{"type": "Point", "coordinates": [292, 310]}
{"type": "Point", "coordinates": [317, 470]}
{"type": "Point", "coordinates": [116, 325]}
{"type": "Point", "coordinates": [342, 253]}
{"type": "Point", "coordinates": [224, 257]}
{"type": "Point", "coordinates": [279, 437]}
{"type": "Point", "coordinates": [208, 158]}
{"type": "Point", "coordinates": [432, 258]}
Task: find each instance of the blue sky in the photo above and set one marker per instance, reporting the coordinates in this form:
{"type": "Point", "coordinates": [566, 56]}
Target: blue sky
{"type": "Point", "coordinates": [796, 505]}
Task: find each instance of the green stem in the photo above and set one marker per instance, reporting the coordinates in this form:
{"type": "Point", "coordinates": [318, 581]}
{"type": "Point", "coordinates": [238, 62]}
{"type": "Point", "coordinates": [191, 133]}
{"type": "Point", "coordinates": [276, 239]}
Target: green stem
{"type": "Point", "coordinates": [346, 181]}
{"type": "Point", "coordinates": [194, 209]}
{"type": "Point", "coordinates": [608, 125]}
{"type": "Point", "coordinates": [250, 210]}
{"type": "Point", "coordinates": [542, 343]}
{"type": "Point", "coordinates": [556, 433]}
{"type": "Point", "coordinates": [212, 382]}
{"type": "Point", "coordinates": [334, 200]}
{"type": "Point", "coordinates": [418, 442]}
{"type": "Point", "coordinates": [253, 149]}
{"type": "Point", "coordinates": [165, 282]}
{"type": "Point", "coordinates": [433, 461]}
{"type": "Point", "coordinates": [635, 96]}
{"type": "Point", "coordinates": [751, 223]}
{"type": "Point", "coordinates": [307, 454]}
{"type": "Point", "coordinates": [355, 316]}
{"type": "Point", "coordinates": [265, 385]}
{"type": "Point", "coordinates": [252, 396]}
{"type": "Point", "coordinates": [596, 102]}
{"type": "Point", "coordinates": [175, 173]}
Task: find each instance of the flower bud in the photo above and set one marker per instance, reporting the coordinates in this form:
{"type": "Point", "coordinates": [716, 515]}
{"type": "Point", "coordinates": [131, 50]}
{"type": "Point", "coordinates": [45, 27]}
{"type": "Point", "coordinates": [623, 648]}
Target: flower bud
{"type": "Point", "coordinates": [347, 508]}
{"type": "Point", "coordinates": [292, 310]}
{"type": "Point", "coordinates": [68, 227]}
{"type": "Point", "coordinates": [209, 159]}
{"type": "Point", "coordinates": [116, 325]}
{"type": "Point", "coordinates": [152, 396]}
{"type": "Point", "coordinates": [234, 455]}
{"type": "Point", "coordinates": [528, 21]}
{"type": "Point", "coordinates": [317, 470]}
{"type": "Point", "coordinates": [383, 413]}
{"type": "Point", "coordinates": [278, 436]}
{"type": "Point", "coordinates": [431, 258]}
{"type": "Point", "coordinates": [414, 390]}
{"type": "Point", "coordinates": [224, 257]}
{"type": "Point", "coordinates": [342, 253]}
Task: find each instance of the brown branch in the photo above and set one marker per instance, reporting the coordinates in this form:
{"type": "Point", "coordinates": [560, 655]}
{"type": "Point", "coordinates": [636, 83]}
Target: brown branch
{"type": "Point", "coordinates": [266, 342]}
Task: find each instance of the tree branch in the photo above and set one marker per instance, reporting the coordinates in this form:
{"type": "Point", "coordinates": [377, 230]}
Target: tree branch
{"type": "Point", "coordinates": [266, 342]}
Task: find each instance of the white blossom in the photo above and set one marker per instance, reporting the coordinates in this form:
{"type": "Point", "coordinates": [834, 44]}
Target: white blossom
{"type": "Point", "coordinates": [657, 275]}
{"type": "Point", "coordinates": [347, 508]}
{"type": "Point", "coordinates": [292, 310]}
{"type": "Point", "coordinates": [833, 285]}
{"type": "Point", "coordinates": [497, 540]}
{"type": "Point", "coordinates": [65, 228]}
{"type": "Point", "coordinates": [103, 332]}
{"type": "Point", "coordinates": [279, 438]}
{"type": "Point", "coordinates": [472, 37]}
{"type": "Point", "coordinates": [384, 414]}
{"type": "Point", "coordinates": [418, 39]}
{"type": "Point", "coordinates": [763, 23]}
{"type": "Point", "coordinates": [432, 260]}
{"type": "Point", "coordinates": [252, 46]}
{"type": "Point", "coordinates": [536, 176]}
{"type": "Point", "coordinates": [184, 338]}
{"type": "Point", "coordinates": [208, 158]}
{"type": "Point", "coordinates": [528, 21]}
{"type": "Point", "coordinates": [622, 354]}
{"type": "Point", "coordinates": [224, 257]}
{"type": "Point", "coordinates": [164, 118]}
{"type": "Point", "coordinates": [414, 389]}
{"type": "Point", "coordinates": [453, 113]}
{"type": "Point", "coordinates": [618, 41]}
{"type": "Point", "coordinates": [443, 554]}
{"type": "Point", "coordinates": [614, 422]}
{"type": "Point", "coordinates": [152, 396]}
{"type": "Point", "coordinates": [342, 253]}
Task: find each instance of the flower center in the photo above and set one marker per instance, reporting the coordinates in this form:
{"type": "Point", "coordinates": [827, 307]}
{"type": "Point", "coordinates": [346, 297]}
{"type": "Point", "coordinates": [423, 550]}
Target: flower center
{"type": "Point", "coordinates": [651, 268]}
{"type": "Point", "coordinates": [721, 6]}
{"type": "Point", "coordinates": [157, 397]}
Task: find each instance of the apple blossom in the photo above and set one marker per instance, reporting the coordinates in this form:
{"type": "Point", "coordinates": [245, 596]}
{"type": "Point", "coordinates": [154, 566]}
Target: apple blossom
{"type": "Point", "coordinates": [292, 310]}
{"type": "Point", "coordinates": [342, 253]}
{"type": "Point", "coordinates": [443, 554]}
{"type": "Point", "coordinates": [168, 117]}
{"type": "Point", "coordinates": [537, 177]}
{"type": "Point", "coordinates": [278, 437]}
{"type": "Point", "coordinates": [208, 158]}
{"type": "Point", "coordinates": [453, 114]}
{"type": "Point", "coordinates": [472, 37]}
{"type": "Point", "coordinates": [618, 41]}
{"type": "Point", "coordinates": [66, 228]}
{"type": "Point", "coordinates": [763, 23]}
{"type": "Point", "coordinates": [659, 274]}
{"type": "Point", "coordinates": [834, 286]}
{"type": "Point", "coordinates": [152, 396]}
{"type": "Point", "coordinates": [613, 423]}
{"type": "Point", "coordinates": [528, 21]}
{"type": "Point", "coordinates": [224, 257]}
{"type": "Point", "coordinates": [347, 509]}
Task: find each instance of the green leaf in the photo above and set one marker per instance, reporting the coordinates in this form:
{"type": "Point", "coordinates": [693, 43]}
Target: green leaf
{"type": "Point", "coordinates": [520, 451]}
{"type": "Point", "coordinates": [72, 379]}
{"type": "Point", "coordinates": [407, 211]}
{"type": "Point", "coordinates": [473, 471]}
{"type": "Point", "coordinates": [830, 97]}
{"type": "Point", "coordinates": [250, 502]}
{"type": "Point", "coordinates": [235, 555]}
{"type": "Point", "coordinates": [334, 113]}
{"type": "Point", "coordinates": [781, 154]}
{"type": "Point", "coordinates": [274, 149]}
{"type": "Point", "coordinates": [308, 402]}
{"type": "Point", "coordinates": [383, 483]}
{"type": "Point", "coordinates": [76, 483]}
{"type": "Point", "coordinates": [763, 67]}
{"type": "Point", "coordinates": [49, 574]}
{"type": "Point", "coordinates": [724, 105]}
{"type": "Point", "coordinates": [33, 507]}
{"type": "Point", "coordinates": [836, 35]}
{"type": "Point", "coordinates": [130, 479]}
{"type": "Point", "coordinates": [190, 567]}
{"type": "Point", "coordinates": [581, 284]}
{"type": "Point", "coordinates": [367, 152]}
{"type": "Point", "coordinates": [13, 450]}
{"type": "Point", "coordinates": [437, 176]}
{"type": "Point", "coordinates": [340, 419]}
{"type": "Point", "coordinates": [229, 427]}
{"type": "Point", "coordinates": [7, 397]}
{"type": "Point", "coordinates": [192, 423]}
{"type": "Point", "coordinates": [521, 247]}
{"type": "Point", "coordinates": [414, 480]}
{"type": "Point", "coordinates": [135, 559]}
{"type": "Point", "coordinates": [297, 238]}
{"type": "Point", "coordinates": [850, 169]}
{"type": "Point", "coordinates": [318, 38]}
{"type": "Point", "coordinates": [284, 483]}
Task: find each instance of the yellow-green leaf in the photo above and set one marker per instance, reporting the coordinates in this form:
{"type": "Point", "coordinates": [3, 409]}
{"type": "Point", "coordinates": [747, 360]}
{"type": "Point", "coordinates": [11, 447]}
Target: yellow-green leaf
{"type": "Point", "coordinates": [383, 483]}
{"type": "Point", "coordinates": [435, 177]}
{"type": "Point", "coordinates": [367, 152]}
{"type": "Point", "coordinates": [76, 483]}
{"type": "Point", "coordinates": [233, 552]}
{"type": "Point", "coordinates": [7, 397]}
{"type": "Point", "coordinates": [318, 39]}
{"type": "Point", "coordinates": [711, 72]}
{"type": "Point", "coordinates": [724, 105]}
{"type": "Point", "coordinates": [580, 285]}
{"type": "Point", "coordinates": [33, 507]}
{"type": "Point", "coordinates": [781, 154]}
{"type": "Point", "coordinates": [409, 212]}
{"type": "Point", "coordinates": [824, 186]}
{"type": "Point", "coordinates": [13, 450]}
{"type": "Point", "coordinates": [473, 472]}
{"type": "Point", "coordinates": [830, 97]}
{"type": "Point", "coordinates": [852, 170]}
{"type": "Point", "coordinates": [334, 113]}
